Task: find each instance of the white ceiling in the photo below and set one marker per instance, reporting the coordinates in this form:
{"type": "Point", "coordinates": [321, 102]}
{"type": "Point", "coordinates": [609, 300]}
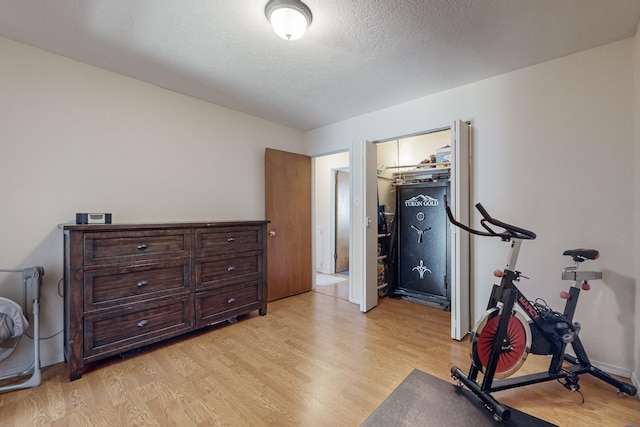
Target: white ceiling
{"type": "Point", "coordinates": [358, 56]}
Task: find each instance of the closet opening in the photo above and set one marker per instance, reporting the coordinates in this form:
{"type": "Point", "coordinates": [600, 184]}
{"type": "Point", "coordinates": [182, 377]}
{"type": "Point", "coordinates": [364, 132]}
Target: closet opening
{"type": "Point", "coordinates": [366, 166]}
{"type": "Point", "coordinates": [413, 178]}
{"type": "Point", "coordinates": [379, 172]}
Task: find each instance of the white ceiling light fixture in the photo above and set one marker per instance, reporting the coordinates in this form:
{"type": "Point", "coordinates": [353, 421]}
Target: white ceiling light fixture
{"type": "Point", "coordinates": [289, 18]}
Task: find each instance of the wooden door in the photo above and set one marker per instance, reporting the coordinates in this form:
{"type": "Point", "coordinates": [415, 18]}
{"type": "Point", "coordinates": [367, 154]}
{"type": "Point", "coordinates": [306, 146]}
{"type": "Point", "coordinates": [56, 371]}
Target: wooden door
{"type": "Point", "coordinates": [342, 221]}
{"type": "Point", "coordinates": [288, 208]}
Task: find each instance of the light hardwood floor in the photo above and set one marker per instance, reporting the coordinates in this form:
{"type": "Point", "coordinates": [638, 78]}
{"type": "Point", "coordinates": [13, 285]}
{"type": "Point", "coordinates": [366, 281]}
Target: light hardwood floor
{"type": "Point", "coordinates": [314, 360]}
{"type": "Point", "coordinates": [336, 290]}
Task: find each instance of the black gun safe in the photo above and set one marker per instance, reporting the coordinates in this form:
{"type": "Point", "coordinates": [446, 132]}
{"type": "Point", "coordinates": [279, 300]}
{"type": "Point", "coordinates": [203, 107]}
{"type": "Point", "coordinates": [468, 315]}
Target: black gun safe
{"type": "Point", "coordinates": [423, 243]}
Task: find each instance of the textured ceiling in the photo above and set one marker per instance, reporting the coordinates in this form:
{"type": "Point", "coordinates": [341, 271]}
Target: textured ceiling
{"type": "Point", "coordinates": [358, 56]}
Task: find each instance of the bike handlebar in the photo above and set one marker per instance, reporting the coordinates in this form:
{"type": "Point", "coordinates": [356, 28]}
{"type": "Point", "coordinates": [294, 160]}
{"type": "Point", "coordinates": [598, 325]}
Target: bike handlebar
{"type": "Point", "coordinates": [510, 231]}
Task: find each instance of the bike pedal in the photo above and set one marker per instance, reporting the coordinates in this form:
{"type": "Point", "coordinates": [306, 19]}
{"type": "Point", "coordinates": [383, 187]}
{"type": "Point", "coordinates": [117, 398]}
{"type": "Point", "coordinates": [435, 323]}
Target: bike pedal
{"type": "Point", "coordinates": [571, 382]}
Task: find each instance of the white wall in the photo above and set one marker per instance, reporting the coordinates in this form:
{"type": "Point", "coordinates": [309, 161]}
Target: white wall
{"type": "Point", "coordinates": [75, 138]}
{"type": "Point", "coordinates": [553, 147]}
{"type": "Point", "coordinates": [324, 181]}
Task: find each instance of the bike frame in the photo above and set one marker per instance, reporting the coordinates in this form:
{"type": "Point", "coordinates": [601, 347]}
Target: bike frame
{"type": "Point", "coordinates": [505, 296]}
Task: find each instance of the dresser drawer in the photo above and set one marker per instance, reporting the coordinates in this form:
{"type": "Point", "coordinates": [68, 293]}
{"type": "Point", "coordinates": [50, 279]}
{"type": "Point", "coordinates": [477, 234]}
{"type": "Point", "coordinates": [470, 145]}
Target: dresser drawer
{"type": "Point", "coordinates": [134, 326]}
{"type": "Point", "coordinates": [226, 270]}
{"type": "Point", "coordinates": [221, 304]}
{"type": "Point", "coordinates": [111, 287]}
{"type": "Point", "coordinates": [133, 246]}
{"type": "Point", "coordinates": [222, 240]}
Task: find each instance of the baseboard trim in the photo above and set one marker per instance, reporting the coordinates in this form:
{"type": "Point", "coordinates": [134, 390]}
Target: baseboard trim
{"type": "Point", "coordinates": [616, 370]}
{"type": "Point", "coordinates": [612, 369]}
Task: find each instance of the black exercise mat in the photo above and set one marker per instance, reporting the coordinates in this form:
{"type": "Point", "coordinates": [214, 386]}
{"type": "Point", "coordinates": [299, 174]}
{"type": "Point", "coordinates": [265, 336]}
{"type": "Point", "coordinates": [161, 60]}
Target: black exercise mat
{"type": "Point", "coordinates": [423, 400]}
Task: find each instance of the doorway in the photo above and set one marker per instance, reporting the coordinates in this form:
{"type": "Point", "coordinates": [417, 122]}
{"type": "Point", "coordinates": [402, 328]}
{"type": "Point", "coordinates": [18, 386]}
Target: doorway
{"type": "Point", "coordinates": [413, 186]}
{"type": "Point", "coordinates": [331, 195]}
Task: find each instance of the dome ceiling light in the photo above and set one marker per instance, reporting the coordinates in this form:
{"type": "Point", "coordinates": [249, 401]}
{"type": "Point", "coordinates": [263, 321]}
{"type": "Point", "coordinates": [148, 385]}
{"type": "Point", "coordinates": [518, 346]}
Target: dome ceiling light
{"type": "Point", "coordinates": [289, 18]}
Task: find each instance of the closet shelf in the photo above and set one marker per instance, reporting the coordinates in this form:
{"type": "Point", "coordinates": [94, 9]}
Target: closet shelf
{"type": "Point", "coordinates": [420, 165]}
{"type": "Point", "coordinates": [416, 175]}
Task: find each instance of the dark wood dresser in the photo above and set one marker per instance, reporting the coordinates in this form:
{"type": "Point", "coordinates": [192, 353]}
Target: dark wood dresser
{"type": "Point", "coordinates": [130, 285]}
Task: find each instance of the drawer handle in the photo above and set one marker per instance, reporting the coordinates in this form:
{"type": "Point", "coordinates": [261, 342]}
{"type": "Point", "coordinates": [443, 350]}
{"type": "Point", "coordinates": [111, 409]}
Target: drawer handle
{"type": "Point", "coordinates": [142, 283]}
{"type": "Point", "coordinates": [142, 323]}
{"type": "Point", "coordinates": [231, 300]}
{"type": "Point", "coordinates": [231, 239]}
{"type": "Point", "coordinates": [142, 247]}
{"type": "Point", "coordinates": [231, 268]}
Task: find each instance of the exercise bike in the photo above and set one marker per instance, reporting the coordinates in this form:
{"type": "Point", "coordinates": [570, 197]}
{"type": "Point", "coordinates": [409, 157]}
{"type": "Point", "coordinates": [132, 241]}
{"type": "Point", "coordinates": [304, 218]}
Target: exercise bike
{"type": "Point", "coordinates": [500, 343]}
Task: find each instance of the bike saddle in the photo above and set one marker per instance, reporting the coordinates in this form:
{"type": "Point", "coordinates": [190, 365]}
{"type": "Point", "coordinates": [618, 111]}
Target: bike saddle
{"type": "Point", "coordinates": [580, 255]}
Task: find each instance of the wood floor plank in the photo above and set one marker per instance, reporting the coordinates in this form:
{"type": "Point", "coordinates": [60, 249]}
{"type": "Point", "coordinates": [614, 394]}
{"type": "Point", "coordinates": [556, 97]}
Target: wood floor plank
{"type": "Point", "coordinates": [314, 360]}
